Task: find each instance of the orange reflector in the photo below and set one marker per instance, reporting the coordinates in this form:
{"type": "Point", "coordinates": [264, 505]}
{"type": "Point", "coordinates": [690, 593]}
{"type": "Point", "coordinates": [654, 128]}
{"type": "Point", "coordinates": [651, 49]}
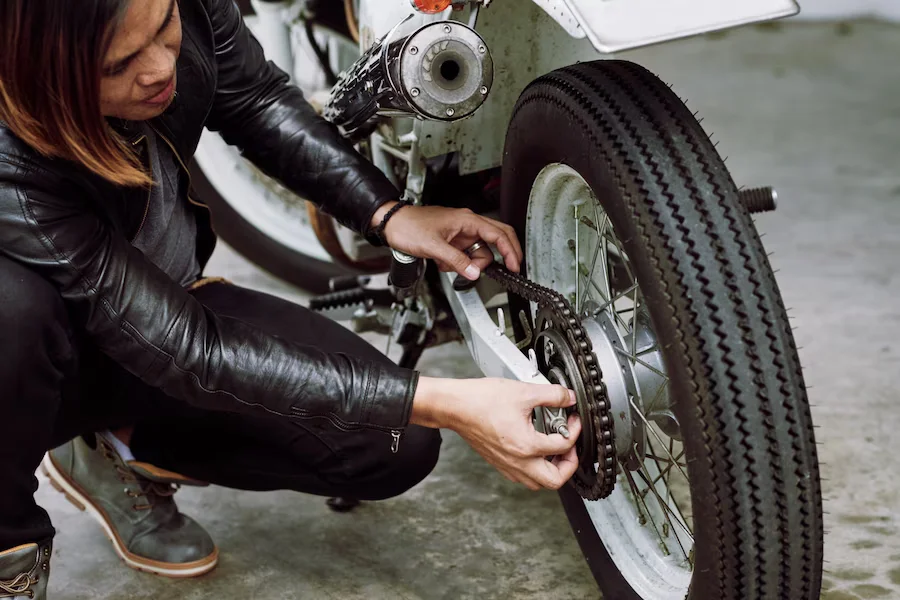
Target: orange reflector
{"type": "Point", "coordinates": [431, 6]}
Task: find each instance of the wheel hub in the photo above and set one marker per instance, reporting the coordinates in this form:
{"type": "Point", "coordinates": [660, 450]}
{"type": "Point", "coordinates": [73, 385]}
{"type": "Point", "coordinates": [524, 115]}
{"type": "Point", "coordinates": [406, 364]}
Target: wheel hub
{"type": "Point", "coordinates": [619, 379]}
{"type": "Point", "coordinates": [636, 389]}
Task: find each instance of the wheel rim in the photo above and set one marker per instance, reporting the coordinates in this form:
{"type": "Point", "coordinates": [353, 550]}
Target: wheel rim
{"type": "Point", "coordinates": [257, 198]}
{"type": "Point", "coordinates": [646, 523]}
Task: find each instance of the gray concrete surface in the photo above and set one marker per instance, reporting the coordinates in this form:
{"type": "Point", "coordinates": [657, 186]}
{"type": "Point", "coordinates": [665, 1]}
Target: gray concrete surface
{"type": "Point", "coordinates": [811, 109]}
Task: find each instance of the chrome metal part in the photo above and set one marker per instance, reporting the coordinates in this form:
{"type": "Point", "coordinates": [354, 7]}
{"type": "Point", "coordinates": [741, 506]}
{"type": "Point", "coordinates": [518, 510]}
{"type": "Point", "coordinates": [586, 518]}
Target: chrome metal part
{"type": "Point", "coordinates": [438, 73]}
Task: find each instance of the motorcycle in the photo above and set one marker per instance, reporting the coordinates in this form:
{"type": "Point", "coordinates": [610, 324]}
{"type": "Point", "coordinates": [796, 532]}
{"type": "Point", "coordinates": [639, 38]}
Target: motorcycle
{"type": "Point", "coordinates": [645, 286]}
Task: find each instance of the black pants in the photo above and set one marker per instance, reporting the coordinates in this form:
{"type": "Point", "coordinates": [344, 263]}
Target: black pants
{"type": "Point", "coordinates": [54, 386]}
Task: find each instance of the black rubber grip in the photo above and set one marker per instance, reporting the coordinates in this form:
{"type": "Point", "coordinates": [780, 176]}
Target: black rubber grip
{"type": "Point", "coordinates": [405, 275]}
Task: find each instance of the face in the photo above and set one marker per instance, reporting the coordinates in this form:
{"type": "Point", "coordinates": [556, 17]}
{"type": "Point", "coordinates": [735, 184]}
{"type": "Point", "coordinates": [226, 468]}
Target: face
{"type": "Point", "coordinates": [138, 77]}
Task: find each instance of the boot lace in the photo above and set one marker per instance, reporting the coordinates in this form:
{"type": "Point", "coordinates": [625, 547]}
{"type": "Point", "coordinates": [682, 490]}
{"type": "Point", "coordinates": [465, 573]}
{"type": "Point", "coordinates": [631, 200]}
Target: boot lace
{"type": "Point", "coordinates": [155, 492]}
{"type": "Point", "coordinates": [18, 586]}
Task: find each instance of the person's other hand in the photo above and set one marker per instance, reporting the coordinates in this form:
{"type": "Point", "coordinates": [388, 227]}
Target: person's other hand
{"type": "Point", "coordinates": [495, 417]}
{"type": "Point", "coordinates": [443, 234]}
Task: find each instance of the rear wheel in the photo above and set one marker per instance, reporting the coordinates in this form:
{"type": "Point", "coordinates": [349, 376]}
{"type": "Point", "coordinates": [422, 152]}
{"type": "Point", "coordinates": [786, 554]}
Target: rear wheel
{"type": "Point", "coordinates": [626, 208]}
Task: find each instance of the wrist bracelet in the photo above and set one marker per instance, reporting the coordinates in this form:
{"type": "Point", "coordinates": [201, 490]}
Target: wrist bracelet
{"type": "Point", "coordinates": [378, 232]}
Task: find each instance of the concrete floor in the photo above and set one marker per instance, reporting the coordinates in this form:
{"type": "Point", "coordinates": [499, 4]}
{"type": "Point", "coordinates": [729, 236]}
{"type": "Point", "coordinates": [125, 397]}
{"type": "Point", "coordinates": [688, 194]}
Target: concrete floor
{"type": "Point", "coordinates": [810, 109]}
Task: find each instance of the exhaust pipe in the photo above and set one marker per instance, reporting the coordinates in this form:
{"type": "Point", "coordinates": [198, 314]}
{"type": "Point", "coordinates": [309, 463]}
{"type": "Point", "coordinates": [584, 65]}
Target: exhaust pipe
{"type": "Point", "coordinates": [441, 72]}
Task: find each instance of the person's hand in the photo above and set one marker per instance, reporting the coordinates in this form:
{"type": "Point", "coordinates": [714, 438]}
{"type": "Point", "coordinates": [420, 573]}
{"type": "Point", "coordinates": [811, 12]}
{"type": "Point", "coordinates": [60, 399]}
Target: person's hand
{"type": "Point", "coordinates": [494, 417]}
{"type": "Point", "coordinates": [443, 234]}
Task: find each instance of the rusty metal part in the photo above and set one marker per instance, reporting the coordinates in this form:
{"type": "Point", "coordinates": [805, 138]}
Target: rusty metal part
{"type": "Point", "coordinates": [352, 21]}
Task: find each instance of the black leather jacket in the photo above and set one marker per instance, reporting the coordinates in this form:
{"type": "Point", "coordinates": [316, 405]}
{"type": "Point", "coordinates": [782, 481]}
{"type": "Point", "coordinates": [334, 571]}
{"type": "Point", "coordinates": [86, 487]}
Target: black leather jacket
{"type": "Point", "coordinates": [74, 229]}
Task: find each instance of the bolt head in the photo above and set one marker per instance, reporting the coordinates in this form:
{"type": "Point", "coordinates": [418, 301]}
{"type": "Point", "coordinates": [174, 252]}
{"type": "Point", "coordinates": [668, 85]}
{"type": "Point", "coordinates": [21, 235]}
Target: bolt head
{"type": "Point", "coordinates": [447, 29]}
{"type": "Point", "coordinates": [414, 92]}
{"type": "Point", "coordinates": [450, 112]}
{"type": "Point", "coordinates": [482, 49]}
{"type": "Point", "coordinates": [414, 50]}
{"type": "Point", "coordinates": [484, 90]}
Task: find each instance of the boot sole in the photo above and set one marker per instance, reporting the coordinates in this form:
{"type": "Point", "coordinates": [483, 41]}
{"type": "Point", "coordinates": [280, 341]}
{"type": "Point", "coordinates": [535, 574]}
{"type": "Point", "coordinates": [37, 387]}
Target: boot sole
{"type": "Point", "coordinates": [74, 494]}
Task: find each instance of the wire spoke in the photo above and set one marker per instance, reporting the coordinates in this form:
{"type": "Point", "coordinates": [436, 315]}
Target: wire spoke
{"type": "Point", "coordinates": [671, 450]}
{"type": "Point", "coordinates": [619, 296]}
{"type": "Point", "coordinates": [577, 262]}
{"type": "Point", "coordinates": [667, 460]}
{"type": "Point", "coordinates": [643, 363]}
{"type": "Point", "coordinates": [664, 504]}
{"type": "Point", "coordinates": [668, 469]}
{"type": "Point", "coordinates": [656, 435]}
{"type": "Point", "coordinates": [667, 510]}
{"type": "Point", "coordinates": [590, 275]}
{"type": "Point", "coordinates": [604, 236]}
{"type": "Point", "coordinates": [638, 496]}
{"type": "Point", "coordinates": [623, 256]}
{"type": "Point", "coordinates": [634, 322]}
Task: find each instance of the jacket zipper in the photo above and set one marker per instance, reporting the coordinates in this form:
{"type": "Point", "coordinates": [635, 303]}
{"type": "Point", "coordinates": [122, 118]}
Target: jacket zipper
{"type": "Point", "coordinates": [344, 426]}
{"type": "Point", "coordinates": [183, 166]}
{"type": "Point", "coordinates": [149, 193]}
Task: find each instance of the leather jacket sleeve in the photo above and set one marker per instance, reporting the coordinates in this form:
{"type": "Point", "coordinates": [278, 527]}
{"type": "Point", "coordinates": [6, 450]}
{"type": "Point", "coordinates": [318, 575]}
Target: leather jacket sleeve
{"type": "Point", "coordinates": [257, 110]}
{"type": "Point", "coordinates": [154, 328]}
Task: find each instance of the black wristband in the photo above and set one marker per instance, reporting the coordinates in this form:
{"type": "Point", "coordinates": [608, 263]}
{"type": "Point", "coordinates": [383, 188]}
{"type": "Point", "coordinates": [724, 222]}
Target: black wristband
{"type": "Point", "coordinates": [377, 233]}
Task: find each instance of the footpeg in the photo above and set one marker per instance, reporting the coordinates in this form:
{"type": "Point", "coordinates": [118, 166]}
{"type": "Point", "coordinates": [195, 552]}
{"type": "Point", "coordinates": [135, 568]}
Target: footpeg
{"type": "Point", "coordinates": [358, 296]}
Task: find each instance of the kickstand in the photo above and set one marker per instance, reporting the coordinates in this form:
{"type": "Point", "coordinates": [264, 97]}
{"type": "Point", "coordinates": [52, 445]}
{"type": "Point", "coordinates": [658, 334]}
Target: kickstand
{"type": "Point", "coordinates": [338, 504]}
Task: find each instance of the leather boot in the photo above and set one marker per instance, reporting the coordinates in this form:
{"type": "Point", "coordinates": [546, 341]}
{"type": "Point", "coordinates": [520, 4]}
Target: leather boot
{"type": "Point", "coordinates": [24, 571]}
{"type": "Point", "coordinates": [134, 503]}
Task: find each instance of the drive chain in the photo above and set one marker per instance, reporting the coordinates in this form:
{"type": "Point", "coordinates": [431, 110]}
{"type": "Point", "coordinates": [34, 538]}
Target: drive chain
{"type": "Point", "coordinates": [590, 484]}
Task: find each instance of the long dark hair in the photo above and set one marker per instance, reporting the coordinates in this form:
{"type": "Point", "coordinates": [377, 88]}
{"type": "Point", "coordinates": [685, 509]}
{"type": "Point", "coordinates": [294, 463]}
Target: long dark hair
{"type": "Point", "coordinates": [51, 56]}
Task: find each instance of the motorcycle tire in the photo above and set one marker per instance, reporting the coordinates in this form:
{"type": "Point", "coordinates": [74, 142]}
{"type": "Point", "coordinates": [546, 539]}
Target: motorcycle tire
{"type": "Point", "coordinates": [727, 345]}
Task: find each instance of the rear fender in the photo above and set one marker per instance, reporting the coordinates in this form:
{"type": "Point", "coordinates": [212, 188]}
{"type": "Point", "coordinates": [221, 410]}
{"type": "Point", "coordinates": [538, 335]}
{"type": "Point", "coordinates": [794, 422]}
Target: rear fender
{"type": "Point", "coordinates": [614, 25]}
